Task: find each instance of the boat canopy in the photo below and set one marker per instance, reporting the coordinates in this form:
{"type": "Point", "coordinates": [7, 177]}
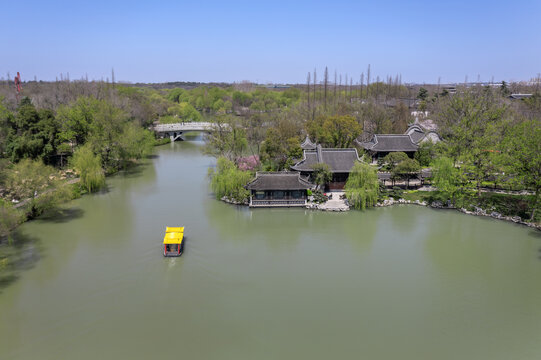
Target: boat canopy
{"type": "Point", "coordinates": [173, 238]}
{"type": "Point", "coordinates": [169, 229]}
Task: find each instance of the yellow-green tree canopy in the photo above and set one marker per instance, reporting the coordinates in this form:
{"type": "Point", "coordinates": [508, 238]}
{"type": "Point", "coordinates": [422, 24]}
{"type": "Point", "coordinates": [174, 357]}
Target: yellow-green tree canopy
{"type": "Point", "coordinates": [362, 186]}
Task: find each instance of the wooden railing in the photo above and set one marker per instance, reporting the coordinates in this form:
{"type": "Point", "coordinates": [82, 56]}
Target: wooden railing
{"type": "Point", "coordinates": [296, 202]}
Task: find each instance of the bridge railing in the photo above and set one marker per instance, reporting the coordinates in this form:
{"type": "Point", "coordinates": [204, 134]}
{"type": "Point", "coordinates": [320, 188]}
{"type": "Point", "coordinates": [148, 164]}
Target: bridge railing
{"type": "Point", "coordinates": [188, 126]}
{"type": "Point", "coordinates": [199, 126]}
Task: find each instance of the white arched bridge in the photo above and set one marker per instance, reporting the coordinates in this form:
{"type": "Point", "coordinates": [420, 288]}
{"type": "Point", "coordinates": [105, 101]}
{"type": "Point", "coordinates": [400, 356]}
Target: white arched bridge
{"type": "Point", "coordinates": [175, 131]}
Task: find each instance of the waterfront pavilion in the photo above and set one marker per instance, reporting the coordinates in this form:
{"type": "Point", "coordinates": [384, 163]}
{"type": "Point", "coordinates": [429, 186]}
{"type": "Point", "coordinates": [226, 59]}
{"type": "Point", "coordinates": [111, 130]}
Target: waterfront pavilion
{"type": "Point", "coordinates": [270, 189]}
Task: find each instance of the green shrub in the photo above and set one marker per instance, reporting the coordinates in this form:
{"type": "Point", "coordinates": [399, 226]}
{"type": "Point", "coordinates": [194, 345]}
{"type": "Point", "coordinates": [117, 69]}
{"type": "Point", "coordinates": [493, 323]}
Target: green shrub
{"type": "Point", "coordinates": [396, 193]}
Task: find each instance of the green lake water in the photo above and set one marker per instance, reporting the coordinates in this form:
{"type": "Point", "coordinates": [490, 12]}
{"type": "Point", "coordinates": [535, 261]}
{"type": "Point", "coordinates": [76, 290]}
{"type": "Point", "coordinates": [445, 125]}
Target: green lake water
{"type": "Point", "coordinates": [403, 282]}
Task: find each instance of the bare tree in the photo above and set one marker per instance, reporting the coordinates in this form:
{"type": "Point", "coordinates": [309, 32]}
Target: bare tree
{"type": "Point", "coordinates": [340, 87]}
{"type": "Point", "coordinates": [362, 82]}
{"type": "Point", "coordinates": [346, 86]}
{"type": "Point", "coordinates": [335, 87]}
{"type": "Point", "coordinates": [368, 80]}
{"type": "Point", "coordinates": [315, 82]}
{"type": "Point", "coordinates": [325, 83]}
{"type": "Point", "coordinates": [308, 89]}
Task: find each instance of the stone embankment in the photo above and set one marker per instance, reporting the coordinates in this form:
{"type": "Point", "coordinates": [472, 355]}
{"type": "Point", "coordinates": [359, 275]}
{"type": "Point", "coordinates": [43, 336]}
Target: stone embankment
{"type": "Point", "coordinates": [477, 211]}
{"type": "Point", "coordinates": [235, 202]}
{"type": "Point", "coordinates": [336, 202]}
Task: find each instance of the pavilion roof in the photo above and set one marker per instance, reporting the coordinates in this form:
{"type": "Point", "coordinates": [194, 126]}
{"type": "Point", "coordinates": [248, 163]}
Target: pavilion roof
{"type": "Point", "coordinates": [284, 180]}
{"type": "Point", "coordinates": [338, 160]}
{"type": "Point", "coordinates": [308, 144]}
{"type": "Point", "coordinates": [389, 142]}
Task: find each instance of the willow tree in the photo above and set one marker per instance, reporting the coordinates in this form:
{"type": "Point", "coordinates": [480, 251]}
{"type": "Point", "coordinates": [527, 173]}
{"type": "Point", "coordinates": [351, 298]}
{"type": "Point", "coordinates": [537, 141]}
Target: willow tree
{"type": "Point", "coordinates": [227, 180]}
{"type": "Point", "coordinates": [446, 177]}
{"type": "Point", "coordinates": [88, 165]}
{"type": "Point", "coordinates": [362, 186]}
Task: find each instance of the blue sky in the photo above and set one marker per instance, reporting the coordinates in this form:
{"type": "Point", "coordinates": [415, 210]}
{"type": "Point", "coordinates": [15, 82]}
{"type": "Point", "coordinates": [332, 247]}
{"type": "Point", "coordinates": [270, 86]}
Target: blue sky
{"type": "Point", "coordinates": [271, 41]}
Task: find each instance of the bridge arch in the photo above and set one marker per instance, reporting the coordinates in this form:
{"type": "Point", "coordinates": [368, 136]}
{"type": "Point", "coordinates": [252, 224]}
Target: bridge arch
{"type": "Point", "coordinates": [175, 131]}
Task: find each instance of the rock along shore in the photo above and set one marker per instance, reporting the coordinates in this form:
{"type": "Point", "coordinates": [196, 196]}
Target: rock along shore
{"type": "Point", "coordinates": [339, 205]}
{"type": "Point", "coordinates": [477, 211]}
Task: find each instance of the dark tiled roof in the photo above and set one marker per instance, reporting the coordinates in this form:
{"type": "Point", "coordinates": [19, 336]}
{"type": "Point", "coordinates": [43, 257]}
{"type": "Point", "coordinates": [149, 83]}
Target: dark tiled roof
{"type": "Point", "coordinates": [417, 136]}
{"type": "Point", "coordinates": [279, 181]}
{"type": "Point", "coordinates": [339, 160]}
{"type": "Point", "coordinates": [308, 144]}
{"type": "Point", "coordinates": [384, 143]}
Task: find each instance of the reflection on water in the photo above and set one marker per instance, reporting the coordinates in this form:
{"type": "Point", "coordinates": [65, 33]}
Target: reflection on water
{"type": "Point", "coordinates": [404, 282]}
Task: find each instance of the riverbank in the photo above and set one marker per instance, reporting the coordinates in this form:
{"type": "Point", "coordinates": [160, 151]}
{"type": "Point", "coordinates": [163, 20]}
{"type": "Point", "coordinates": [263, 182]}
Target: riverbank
{"type": "Point", "coordinates": [338, 203]}
{"type": "Point", "coordinates": [477, 210]}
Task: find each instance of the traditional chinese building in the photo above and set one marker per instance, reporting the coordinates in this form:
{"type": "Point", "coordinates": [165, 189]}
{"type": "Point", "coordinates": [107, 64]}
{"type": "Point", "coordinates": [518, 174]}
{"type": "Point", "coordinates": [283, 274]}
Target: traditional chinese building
{"type": "Point", "coordinates": [270, 189]}
{"type": "Point", "coordinates": [420, 132]}
{"type": "Point", "coordinates": [382, 144]}
{"type": "Point", "coordinates": [340, 162]}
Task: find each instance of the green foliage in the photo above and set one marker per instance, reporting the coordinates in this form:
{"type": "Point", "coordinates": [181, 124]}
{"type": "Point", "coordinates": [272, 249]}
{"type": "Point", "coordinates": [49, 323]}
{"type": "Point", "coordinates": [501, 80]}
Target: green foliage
{"type": "Point", "coordinates": [29, 134]}
{"type": "Point", "coordinates": [396, 193]}
{"type": "Point", "coordinates": [362, 186]}
{"type": "Point", "coordinates": [405, 169]}
{"type": "Point", "coordinates": [334, 131]}
{"type": "Point", "coordinates": [76, 119]}
{"type": "Point", "coordinates": [523, 157]}
{"type": "Point", "coordinates": [318, 196]}
{"type": "Point", "coordinates": [229, 181]}
{"type": "Point", "coordinates": [134, 143]}
{"type": "Point", "coordinates": [88, 166]}
{"type": "Point", "coordinates": [9, 219]}
{"type": "Point", "coordinates": [184, 112]}
{"type": "Point", "coordinates": [228, 139]}
{"type": "Point", "coordinates": [242, 98]}
{"type": "Point", "coordinates": [504, 89]}
{"type": "Point", "coordinates": [394, 158]}
{"type": "Point", "coordinates": [446, 177]}
{"type": "Point", "coordinates": [426, 153]}
{"type": "Point", "coordinates": [32, 181]}
{"type": "Point", "coordinates": [280, 152]}
{"type": "Point", "coordinates": [423, 94]}
{"type": "Point", "coordinates": [321, 174]}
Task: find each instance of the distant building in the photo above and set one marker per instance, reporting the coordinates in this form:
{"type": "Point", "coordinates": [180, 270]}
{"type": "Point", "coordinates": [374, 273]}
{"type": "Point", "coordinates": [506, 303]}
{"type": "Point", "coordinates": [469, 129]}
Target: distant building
{"type": "Point", "coordinates": [274, 189]}
{"type": "Point", "coordinates": [449, 89]}
{"type": "Point", "coordinates": [520, 96]}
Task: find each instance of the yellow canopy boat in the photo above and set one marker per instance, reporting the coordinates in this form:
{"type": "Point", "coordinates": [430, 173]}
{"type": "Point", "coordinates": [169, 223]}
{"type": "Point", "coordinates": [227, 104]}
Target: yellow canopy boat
{"type": "Point", "coordinates": [173, 241]}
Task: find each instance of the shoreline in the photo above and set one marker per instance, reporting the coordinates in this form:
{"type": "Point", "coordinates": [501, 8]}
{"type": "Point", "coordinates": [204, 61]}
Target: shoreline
{"type": "Point", "coordinates": [478, 211]}
{"type": "Point", "coordinates": [434, 205]}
